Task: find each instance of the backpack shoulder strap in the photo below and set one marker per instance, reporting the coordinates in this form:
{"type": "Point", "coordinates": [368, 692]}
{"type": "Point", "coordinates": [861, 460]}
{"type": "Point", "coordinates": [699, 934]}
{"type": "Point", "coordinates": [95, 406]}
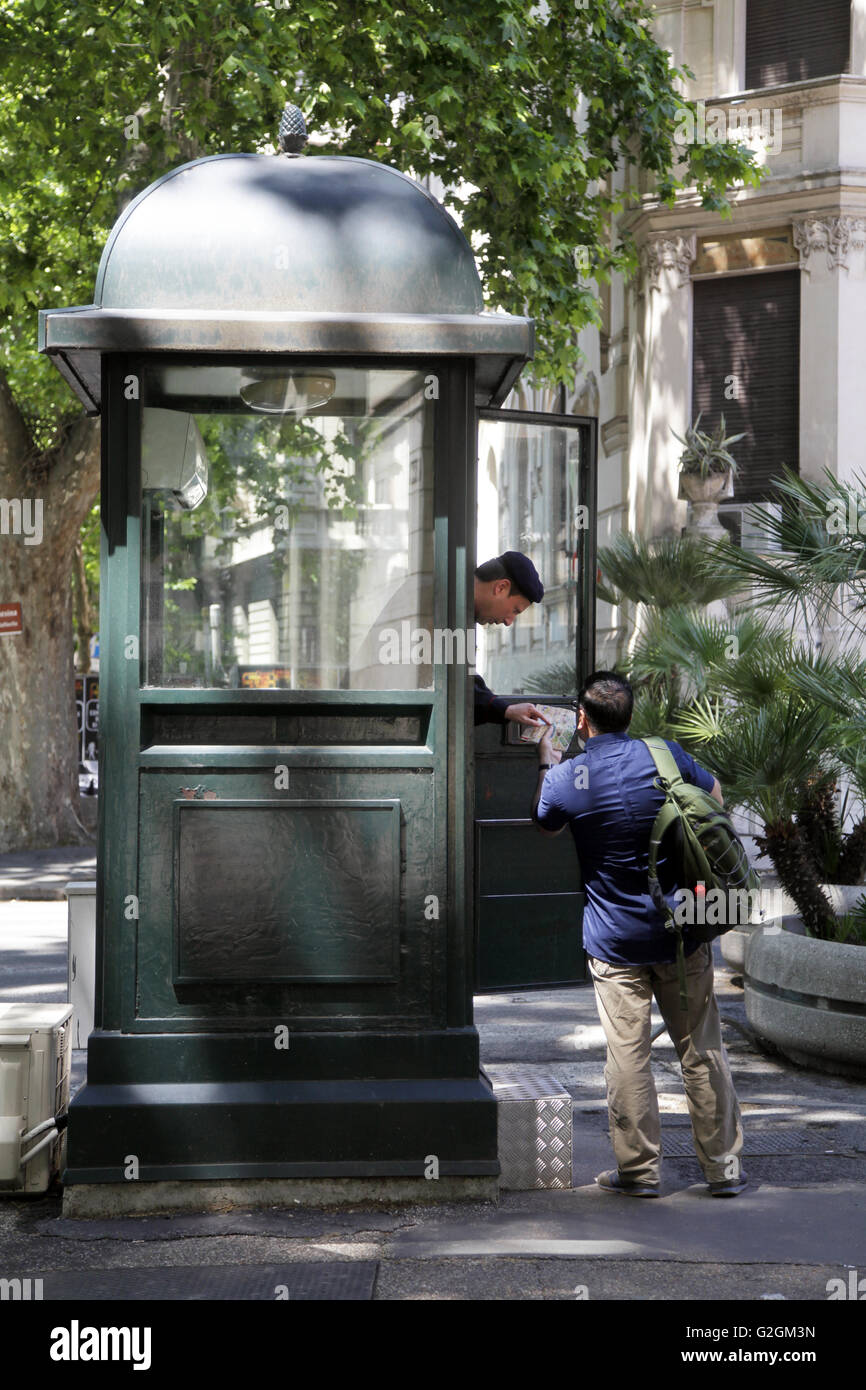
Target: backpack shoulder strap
{"type": "Point", "coordinates": [667, 815]}
{"type": "Point", "coordinates": [669, 772]}
{"type": "Point", "coordinates": [666, 763]}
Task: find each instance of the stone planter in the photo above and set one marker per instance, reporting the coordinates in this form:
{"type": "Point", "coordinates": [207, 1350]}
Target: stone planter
{"type": "Point", "coordinates": [808, 998]}
{"type": "Point", "coordinates": [704, 494]}
{"type": "Point", "coordinates": [777, 907]}
{"type": "Point", "coordinates": [733, 946]}
{"type": "Point", "coordinates": [781, 911]}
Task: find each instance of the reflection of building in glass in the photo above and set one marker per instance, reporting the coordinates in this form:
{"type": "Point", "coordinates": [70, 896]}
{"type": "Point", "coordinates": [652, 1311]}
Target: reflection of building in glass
{"type": "Point", "coordinates": [314, 535]}
{"type": "Point", "coordinates": [528, 500]}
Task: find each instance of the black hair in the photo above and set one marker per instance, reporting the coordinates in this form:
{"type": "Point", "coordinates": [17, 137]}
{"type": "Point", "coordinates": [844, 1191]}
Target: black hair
{"type": "Point", "coordinates": [491, 570]}
{"type": "Point", "coordinates": [608, 701]}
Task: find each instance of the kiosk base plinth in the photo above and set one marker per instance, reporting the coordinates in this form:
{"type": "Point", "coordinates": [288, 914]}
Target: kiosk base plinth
{"type": "Point", "coordinates": [258, 1130]}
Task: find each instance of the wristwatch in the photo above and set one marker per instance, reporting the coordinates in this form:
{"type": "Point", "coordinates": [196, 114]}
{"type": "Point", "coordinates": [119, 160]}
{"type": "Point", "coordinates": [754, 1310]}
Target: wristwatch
{"type": "Point", "coordinates": [544, 767]}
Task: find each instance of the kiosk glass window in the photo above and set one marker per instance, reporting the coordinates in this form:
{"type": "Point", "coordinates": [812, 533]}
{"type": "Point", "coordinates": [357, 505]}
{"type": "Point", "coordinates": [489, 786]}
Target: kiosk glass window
{"type": "Point", "coordinates": [287, 526]}
{"type": "Point", "coordinates": [529, 499]}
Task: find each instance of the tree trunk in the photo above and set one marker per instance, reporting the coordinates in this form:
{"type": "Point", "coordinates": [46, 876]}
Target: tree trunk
{"type": "Point", "coordinates": [798, 875]}
{"type": "Point", "coordinates": [852, 860]}
{"type": "Point", "coordinates": [39, 747]}
{"type": "Point", "coordinates": [83, 611]}
{"type": "Point", "coordinates": [38, 727]}
{"type": "Point", "coordinates": [818, 822]}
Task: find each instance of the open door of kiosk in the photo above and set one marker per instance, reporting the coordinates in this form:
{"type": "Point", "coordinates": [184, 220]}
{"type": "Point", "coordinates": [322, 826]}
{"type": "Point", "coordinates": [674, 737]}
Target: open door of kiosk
{"type": "Point", "coordinates": [536, 494]}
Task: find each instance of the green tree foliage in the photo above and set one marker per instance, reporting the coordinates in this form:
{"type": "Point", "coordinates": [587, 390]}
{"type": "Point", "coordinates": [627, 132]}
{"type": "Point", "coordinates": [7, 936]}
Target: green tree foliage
{"type": "Point", "coordinates": [97, 100]}
{"type": "Point", "coordinates": [527, 114]}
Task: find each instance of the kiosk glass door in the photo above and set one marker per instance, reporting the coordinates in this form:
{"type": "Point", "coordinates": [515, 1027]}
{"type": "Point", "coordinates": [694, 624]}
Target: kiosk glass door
{"type": "Point", "coordinates": [536, 494]}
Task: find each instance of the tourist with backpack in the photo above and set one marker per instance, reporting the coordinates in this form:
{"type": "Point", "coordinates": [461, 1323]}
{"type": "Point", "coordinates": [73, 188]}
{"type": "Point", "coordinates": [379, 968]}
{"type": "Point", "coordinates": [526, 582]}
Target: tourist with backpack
{"type": "Point", "coordinates": [611, 797]}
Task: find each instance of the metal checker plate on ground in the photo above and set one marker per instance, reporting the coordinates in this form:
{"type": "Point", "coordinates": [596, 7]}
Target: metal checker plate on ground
{"type": "Point", "coordinates": [535, 1134]}
{"type": "Point", "coordinates": [301, 1282]}
{"type": "Point", "coordinates": [677, 1142]}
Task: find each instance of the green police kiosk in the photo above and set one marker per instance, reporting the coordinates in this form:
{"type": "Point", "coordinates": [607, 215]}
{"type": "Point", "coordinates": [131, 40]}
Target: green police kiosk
{"type": "Point", "coordinates": [287, 353]}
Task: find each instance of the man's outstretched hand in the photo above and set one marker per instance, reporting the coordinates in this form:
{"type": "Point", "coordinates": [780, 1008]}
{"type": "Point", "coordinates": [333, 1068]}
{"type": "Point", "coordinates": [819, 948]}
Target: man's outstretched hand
{"type": "Point", "coordinates": [526, 714]}
{"type": "Point", "coordinates": [547, 753]}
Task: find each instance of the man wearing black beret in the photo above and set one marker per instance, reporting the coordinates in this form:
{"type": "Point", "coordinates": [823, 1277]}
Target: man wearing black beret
{"type": "Point", "coordinates": [504, 588]}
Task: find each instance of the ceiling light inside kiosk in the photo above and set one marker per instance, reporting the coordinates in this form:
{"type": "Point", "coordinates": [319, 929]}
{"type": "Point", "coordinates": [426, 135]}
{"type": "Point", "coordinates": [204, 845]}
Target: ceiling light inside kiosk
{"type": "Point", "coordinates": [292, 393]}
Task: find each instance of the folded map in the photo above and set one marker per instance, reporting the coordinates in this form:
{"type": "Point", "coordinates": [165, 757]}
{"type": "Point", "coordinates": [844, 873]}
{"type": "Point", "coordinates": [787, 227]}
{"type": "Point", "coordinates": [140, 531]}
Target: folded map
{"type": "Point", "coordinates": [563, 721]}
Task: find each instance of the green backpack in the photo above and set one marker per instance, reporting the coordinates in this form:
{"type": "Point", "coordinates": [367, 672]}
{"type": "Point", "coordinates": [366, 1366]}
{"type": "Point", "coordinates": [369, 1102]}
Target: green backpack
{"type": "Point", "coordinates": [705, 857]}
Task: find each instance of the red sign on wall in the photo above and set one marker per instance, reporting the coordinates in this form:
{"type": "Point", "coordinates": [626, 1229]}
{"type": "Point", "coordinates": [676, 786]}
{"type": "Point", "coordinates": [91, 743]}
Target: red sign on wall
{"type": "Point", "coordinates": [10, 618]}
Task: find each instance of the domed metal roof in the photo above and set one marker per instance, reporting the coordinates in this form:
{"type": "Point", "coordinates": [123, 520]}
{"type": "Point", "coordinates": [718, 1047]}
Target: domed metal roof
{"type": "Point", "coordinates": [308, 234]}
{"type": "Point", "coordinates": [305, 255]}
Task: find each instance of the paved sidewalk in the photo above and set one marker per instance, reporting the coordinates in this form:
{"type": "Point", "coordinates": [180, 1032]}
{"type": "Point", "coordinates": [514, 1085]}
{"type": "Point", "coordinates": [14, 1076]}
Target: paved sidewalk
{"type": "Point", "coordinates": [40, 875]}
{"type": "Point", "coordinates": [800, 1224]}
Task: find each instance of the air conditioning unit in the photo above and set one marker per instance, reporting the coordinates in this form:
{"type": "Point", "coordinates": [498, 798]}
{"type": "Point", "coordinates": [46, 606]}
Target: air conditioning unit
{"type": "Point", "coordinates": [747, 527]}
{"type": "Point", "coordinates": [35, 1057]}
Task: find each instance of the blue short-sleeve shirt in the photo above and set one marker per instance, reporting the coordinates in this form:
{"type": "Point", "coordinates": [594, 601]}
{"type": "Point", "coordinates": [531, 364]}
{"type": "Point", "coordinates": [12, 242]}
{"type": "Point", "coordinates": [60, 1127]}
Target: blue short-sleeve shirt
{"type": "Point", "coordinates": [607, 798]}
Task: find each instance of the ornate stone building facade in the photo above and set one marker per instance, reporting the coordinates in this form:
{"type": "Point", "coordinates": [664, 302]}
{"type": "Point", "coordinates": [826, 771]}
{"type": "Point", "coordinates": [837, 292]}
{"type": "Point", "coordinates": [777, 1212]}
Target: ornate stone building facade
{"type": "Point", "coordinates": [761, 316]}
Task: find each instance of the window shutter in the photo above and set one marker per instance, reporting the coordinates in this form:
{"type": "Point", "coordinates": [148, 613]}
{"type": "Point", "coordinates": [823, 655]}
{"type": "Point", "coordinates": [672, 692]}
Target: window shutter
{"type": "Point", "coordinates": [792, 40]}
{"type": "Point", "coordinates": [746, 341]}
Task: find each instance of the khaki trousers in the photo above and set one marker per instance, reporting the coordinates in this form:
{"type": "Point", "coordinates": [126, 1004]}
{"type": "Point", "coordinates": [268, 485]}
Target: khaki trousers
{"type": "Point", "coordinates": [624, 995]}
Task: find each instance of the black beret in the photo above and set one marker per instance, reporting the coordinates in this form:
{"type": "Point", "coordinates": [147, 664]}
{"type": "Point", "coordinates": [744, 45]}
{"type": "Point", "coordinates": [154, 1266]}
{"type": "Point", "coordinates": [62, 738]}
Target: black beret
{"type": "Point", "coordinates": [523, 575]}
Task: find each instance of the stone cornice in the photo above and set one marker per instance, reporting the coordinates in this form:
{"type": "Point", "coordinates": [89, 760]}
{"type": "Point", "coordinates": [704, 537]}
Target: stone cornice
{"type": "Point", "coordinates": [777, 207]}
{"type": "Point", "coordinates": [792, 186]}
{"type": "Point", "coordinates": [820, 91]}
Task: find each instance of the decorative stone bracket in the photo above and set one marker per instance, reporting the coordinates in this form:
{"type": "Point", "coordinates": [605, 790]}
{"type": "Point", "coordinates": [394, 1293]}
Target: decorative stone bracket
{"type": "Point", "coordinates": [663, 251]}
{"type": "Point", "coordinates": [836, 236]}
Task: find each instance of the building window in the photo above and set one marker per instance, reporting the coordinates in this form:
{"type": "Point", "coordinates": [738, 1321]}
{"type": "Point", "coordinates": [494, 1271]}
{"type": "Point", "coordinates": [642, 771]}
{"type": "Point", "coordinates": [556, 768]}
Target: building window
{"type": "Point", "coordinates": [793, 40]}
{"type": "Point", "coordinates": [746, 366]}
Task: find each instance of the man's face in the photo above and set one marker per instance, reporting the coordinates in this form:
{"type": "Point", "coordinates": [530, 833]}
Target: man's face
{"type": "Point", "coordinates": [496, 605]}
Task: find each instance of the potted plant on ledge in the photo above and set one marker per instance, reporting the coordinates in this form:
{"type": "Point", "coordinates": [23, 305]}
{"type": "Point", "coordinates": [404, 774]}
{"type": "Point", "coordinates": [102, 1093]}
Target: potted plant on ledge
{"type": "Point", "coordinates": [707, 472]}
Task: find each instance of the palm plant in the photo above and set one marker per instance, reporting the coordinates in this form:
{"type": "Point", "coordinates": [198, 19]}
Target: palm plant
{"type": "Point", "coordinates": [754, 703]}
{"type": "Point", "coordinates": [665, 572]}
{"type": "Point", "coordinates": [773, 760]}
{"type": "Point", "coordinates": [762, 683]}
{"type": "Point", "coordinates": [753, 695]}
{"type": "Point", "coordinates": [664, 578]}
{"type": "Point", "coordinates": [816, 566]}
{"type": "Point", "coordinates": [701, 653]}
{"type": "Point", "coordinates": [653, 715]}
{"type": "Point", "coordinates": [560, 676]}
{"type": "Point", "coordinates": [839, 687]}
